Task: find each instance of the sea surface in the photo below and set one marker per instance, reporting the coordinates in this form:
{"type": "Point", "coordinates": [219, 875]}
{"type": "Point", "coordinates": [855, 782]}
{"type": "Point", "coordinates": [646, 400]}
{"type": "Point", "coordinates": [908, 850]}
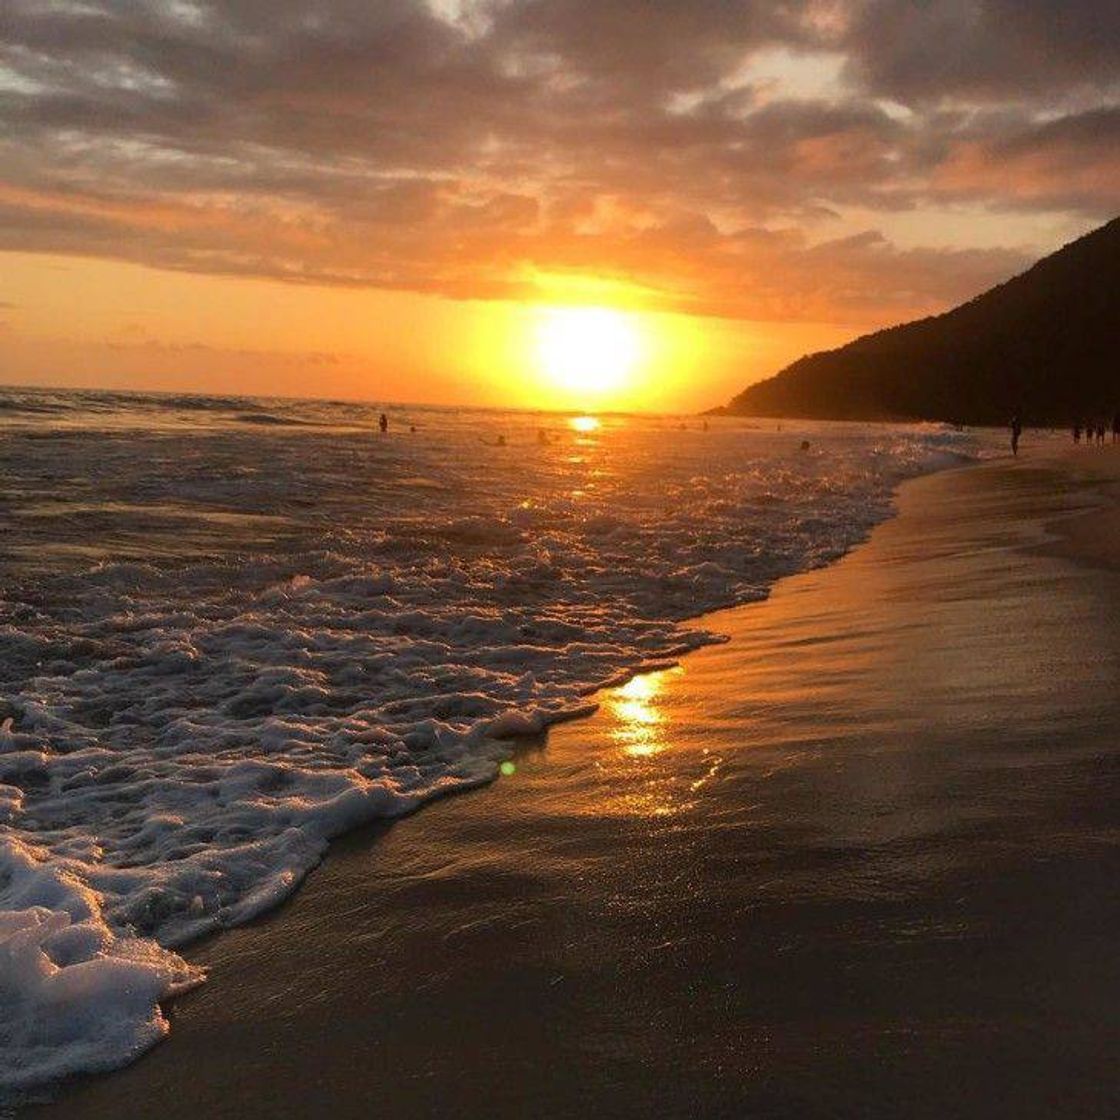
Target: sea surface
{"type": "Point", "coordinates": [233, 629]}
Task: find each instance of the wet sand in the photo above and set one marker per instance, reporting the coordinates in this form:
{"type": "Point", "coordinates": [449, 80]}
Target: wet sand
{"type": "Point", "coordinates": [861, 861]}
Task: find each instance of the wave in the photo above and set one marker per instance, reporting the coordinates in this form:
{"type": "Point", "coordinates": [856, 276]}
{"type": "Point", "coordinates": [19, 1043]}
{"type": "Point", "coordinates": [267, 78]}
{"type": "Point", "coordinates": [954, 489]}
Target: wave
{"type": "Point", "coordinates": [184, 732]}
{"type": "Point", "coordinates": [270, 419]}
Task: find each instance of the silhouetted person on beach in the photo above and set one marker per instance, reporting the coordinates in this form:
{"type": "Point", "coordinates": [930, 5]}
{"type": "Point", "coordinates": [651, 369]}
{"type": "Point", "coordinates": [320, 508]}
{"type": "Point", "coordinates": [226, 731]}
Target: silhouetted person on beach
{"type": "Point", "coordinates": [1116, 427]}
{"type": "Point", "coordinates": [1100, 433]}
{"type": "Point", "coordinates": [1077, 431]}
{"type": "Point", "coordinates": [383, 423]}
{"type": "Point", "coordinates": [1016, 432]}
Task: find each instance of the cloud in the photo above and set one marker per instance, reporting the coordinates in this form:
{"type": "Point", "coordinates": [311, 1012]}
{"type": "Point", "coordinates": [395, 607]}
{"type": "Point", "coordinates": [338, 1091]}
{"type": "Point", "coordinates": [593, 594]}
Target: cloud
{"type": "Point", "coordinates": [463, 149]}
{"type": "Point", "coordinates": [137, 339]}
{"type": "Point", "coordinates": [988, 50]}
{"type": "Point", "coordinates": [1071, 162]}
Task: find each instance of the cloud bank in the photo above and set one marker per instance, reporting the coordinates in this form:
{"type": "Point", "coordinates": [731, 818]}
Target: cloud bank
{"type": "Point", "coordinates": [707, 155]}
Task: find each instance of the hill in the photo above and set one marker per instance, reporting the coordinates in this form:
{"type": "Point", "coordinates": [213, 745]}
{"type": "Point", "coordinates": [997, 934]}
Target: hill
{"type": "Point", "coordinates": [1046, 341]}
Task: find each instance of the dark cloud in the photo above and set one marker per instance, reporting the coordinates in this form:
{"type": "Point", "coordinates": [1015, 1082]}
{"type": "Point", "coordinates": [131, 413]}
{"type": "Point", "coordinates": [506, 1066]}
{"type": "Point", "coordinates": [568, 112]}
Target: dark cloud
{"type": "Point", "coordinates": [463, 148]}
{"type": "Point", "coordinates": [985, 49]}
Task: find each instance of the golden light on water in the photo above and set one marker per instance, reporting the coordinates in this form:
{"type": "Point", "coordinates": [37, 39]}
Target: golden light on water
{"type": "Point", "coordinates": [588, 353]}
{"type": "Point", "coordinates": [585, 424]}
{"type": "Point", "coordinates": [639, 718]}
{"type": "Point", "coordinates": [656, 766]}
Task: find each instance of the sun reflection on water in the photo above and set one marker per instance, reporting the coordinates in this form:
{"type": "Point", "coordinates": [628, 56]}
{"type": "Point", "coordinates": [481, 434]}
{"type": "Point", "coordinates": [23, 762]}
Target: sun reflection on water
{"type": "Point", "coordinates": [647, 778]}
{"type": "Point", "coordinates": [585, 424]}
{"type": "Point", "coordinates": [640, 722]}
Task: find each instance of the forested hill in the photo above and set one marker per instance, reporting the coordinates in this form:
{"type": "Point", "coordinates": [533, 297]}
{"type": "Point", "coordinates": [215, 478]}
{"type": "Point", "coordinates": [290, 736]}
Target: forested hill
{"type": "Point", "coordinates": [1047, 341]}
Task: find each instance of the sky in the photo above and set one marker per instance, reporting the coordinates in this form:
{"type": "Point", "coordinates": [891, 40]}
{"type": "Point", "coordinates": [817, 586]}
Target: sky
{"type": "Point", "coordinates": [385, 199]}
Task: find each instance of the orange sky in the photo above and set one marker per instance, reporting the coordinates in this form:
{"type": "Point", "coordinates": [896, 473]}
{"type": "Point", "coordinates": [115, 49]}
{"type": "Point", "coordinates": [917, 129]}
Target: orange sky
{"type": "Point", "coordinates": [375, 201]}
{"type": "Point", "coordinates": [87, 323]}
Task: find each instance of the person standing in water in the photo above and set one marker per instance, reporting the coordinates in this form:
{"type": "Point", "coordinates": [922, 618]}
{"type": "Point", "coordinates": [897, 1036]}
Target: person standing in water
{"type": "Point", "coordinates": [383, 423]}
{"type": "Point", "coordinates": [1016, 432]}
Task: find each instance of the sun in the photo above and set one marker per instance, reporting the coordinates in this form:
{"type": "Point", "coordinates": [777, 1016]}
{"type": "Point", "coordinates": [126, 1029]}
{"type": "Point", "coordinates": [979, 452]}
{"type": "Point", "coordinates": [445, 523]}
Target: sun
{"type": "Point", "coordinates": [586, 351]}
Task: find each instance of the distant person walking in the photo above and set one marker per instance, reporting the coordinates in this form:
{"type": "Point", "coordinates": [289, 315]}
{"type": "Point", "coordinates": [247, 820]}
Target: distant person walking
{"type": "Point", "coordinates": [1016, 432]}
{"type": "Point", "coordinates": [1100, 433]}
{"type": "Point", "coordinates": [1116, 427]}
{"type": "Point", "coordinates": [1077, 431]}
{"type": "Point", "coordinates": [383, 423]}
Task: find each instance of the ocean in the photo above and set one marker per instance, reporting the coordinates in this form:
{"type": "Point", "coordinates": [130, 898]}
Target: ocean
{"type": "Point", "coordinates": [233, 629]}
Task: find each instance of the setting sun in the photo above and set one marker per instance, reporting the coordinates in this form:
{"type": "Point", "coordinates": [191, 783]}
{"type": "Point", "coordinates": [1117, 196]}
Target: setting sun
{"type": "Point", "coordinates": [588, 351]}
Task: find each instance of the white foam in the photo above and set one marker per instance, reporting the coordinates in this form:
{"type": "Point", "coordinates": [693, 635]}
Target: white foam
{"type": "Point", "coordinates": [226, 643]}
{"type": "Point", "coordinates": [73, 995]}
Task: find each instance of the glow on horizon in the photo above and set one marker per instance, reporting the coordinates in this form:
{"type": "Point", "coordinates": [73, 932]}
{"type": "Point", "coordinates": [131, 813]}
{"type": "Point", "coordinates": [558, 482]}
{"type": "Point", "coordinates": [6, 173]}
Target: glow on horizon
{"type": "Point", "coordinates": [80, 322]}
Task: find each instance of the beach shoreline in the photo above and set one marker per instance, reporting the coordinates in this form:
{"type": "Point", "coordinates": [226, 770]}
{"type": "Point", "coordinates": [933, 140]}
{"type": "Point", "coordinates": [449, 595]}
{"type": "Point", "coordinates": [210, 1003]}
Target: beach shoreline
{"type": "Point", "coordinates": [650, 765]}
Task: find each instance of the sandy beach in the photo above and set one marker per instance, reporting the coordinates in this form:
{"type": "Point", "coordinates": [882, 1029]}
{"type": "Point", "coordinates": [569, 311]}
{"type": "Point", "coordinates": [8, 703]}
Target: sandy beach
{"type": "Point", "coordinates": [860, 861]}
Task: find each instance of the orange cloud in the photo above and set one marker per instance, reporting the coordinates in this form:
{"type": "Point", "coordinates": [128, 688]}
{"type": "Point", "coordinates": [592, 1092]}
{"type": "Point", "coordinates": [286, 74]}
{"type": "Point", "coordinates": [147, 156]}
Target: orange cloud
{"type": "Point", "coordinates": [395, 147]}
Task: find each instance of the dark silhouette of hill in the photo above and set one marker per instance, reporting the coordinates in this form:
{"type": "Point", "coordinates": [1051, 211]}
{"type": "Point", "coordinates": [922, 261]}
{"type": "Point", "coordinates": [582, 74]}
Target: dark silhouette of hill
{"type": "Point", "coordinates": [1045, 341]}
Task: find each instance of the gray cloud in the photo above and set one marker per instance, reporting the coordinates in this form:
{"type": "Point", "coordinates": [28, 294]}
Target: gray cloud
{"type": "Point", "coordinates": [985, 49]}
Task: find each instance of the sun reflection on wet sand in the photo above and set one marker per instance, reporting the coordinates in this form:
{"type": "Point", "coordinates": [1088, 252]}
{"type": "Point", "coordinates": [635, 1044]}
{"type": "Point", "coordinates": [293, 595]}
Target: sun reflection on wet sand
{"type": "Point", "coordinates": [651, 779]}
{"type": "Point", "coordinates": [640, 721]}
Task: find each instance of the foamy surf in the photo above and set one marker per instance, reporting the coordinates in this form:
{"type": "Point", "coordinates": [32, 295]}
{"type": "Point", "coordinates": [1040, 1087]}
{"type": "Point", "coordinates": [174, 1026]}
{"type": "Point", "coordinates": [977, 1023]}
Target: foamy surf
{"type": "Point", "coordinates": [75, 994]}
{"type": "Point", "coordinates": [226, 641]}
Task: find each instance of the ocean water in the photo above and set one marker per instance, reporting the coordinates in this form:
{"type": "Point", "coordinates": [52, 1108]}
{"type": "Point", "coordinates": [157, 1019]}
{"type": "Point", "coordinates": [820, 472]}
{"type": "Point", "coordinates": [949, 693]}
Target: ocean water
{"type": "Point", "coordinates": [231, 630]}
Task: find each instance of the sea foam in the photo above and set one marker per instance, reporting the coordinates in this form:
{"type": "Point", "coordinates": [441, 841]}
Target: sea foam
{"type": "Point", "coordinates": [224, 642]}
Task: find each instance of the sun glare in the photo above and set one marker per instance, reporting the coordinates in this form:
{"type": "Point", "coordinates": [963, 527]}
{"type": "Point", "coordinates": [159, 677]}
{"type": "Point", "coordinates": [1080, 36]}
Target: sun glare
{"type": "Point", "coordinates": [587, 351]}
